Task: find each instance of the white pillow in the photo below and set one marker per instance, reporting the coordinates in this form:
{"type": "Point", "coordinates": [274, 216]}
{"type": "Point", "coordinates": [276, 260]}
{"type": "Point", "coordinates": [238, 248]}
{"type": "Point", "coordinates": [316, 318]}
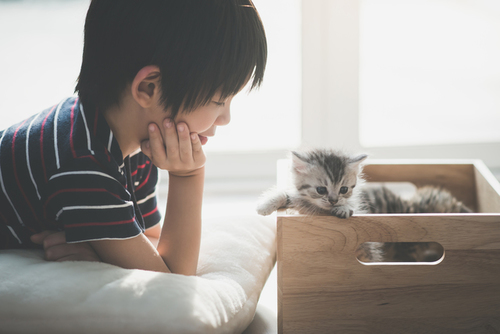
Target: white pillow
{"type": "Point", "coordinates": [237, 255]}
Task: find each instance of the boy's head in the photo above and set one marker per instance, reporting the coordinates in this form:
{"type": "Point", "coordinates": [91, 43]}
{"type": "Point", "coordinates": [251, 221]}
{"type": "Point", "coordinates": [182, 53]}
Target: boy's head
{"type": "Point", "coordinates": [202, 47]}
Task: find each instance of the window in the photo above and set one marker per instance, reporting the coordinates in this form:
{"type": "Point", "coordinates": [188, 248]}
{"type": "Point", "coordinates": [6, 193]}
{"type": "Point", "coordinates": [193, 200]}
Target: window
{"type": "Point", "coordinates": [429, 72]}
{"type": "Point", "coordinates": [367, 85]}
{"type": "Point", "coordinates": [42, 43]}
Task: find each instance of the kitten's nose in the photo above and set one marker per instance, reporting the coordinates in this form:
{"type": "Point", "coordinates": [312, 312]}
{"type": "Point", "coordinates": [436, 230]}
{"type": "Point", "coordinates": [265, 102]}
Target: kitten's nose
{"type": "Point", "coordinates": [332, 200]}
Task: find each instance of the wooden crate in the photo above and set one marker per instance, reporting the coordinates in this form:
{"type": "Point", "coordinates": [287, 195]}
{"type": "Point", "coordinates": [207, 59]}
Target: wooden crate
{"type": "Point", "coordinates": [323, 288]}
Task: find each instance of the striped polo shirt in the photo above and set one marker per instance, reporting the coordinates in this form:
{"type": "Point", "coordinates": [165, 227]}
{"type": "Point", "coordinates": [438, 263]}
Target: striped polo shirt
{"type": "Point", "coordinates": [62, 169]}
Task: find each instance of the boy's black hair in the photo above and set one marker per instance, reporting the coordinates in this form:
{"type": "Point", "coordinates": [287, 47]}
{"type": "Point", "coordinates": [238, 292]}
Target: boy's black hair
{"type": "Point", "coordinates": [201, 47]}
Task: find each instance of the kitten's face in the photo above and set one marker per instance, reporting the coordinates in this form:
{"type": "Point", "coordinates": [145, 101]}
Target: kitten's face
{"type": "Point", "coordinates": [326, 180]}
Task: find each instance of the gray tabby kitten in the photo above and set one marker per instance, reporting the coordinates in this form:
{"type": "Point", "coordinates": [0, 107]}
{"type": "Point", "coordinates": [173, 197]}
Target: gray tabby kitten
{"type": "Point", "coordinates": [426, 199]}
{"type": "Point", "coordinates": [329, 182]}
{"type": "Point", "coordinates": [325, 182]}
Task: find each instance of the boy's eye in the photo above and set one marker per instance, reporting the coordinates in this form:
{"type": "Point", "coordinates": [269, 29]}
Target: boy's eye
{"type": "Point", "coordinates": [219, 104]}
{"type": "Point", "coordinates": [321, 190]}
{"type": "Point", "coordinates": [343, 190]}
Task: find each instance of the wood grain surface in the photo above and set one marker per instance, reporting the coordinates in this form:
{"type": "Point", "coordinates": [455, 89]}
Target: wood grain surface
{"type": "Point", "coordinates": [323, 288]}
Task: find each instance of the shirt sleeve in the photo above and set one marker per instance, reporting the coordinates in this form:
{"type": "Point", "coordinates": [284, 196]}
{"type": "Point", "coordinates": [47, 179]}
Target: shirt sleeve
{"type": "Point", "coordinates": [91, 203]}
{"type": "Point", "coordinates": [145, 178]}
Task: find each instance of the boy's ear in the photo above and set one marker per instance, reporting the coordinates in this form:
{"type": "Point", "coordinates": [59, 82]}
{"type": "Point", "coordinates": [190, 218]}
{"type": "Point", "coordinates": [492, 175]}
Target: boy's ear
{"type": "Point", "coordinates": [146, 86]}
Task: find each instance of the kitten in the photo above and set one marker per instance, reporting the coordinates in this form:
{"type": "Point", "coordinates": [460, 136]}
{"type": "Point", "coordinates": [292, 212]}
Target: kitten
{"type": "Point", "coordinates": [325, 183]}
{"type": "Point", "coordinates": [330, 182]}
{"type": "Point", "coordinates": [427, 199]}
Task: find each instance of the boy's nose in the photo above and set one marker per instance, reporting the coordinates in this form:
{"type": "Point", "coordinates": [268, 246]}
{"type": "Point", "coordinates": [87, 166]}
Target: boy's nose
{"type": "Point", "coordinates": [224, 118]}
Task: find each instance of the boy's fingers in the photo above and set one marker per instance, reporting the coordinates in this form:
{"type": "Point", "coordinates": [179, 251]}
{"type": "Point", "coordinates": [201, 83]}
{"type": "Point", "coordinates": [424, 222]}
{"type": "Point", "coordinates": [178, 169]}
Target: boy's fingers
{"type": "Point", "coordinates": [54, 239]}
{"type": "Point", "coordinates": [146, 148]}
{"type": "Point", "coordinates": [74, 252]}
{"type": "Point", "coordinates": [156, 145]}
{"type": "Point", "coordinates": [171, 140]}
{"type": "Point", "coordinates": [198, 154]}
{"type": "Point", "coordinates": [40, 237]}
{"type": "Point", "coordinates": [186, 151]}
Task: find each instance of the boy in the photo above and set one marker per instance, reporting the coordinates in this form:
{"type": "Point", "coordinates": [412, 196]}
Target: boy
{"type": "Point", "coordinates": [157, 78]}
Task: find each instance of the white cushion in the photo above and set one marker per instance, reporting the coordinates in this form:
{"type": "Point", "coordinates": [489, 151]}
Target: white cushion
{"type": "Point", "coordinates": [236, 257]}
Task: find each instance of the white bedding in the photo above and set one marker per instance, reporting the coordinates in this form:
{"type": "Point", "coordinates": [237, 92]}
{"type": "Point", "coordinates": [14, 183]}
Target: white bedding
{"type": "Point", "coordinates": [237, 255]}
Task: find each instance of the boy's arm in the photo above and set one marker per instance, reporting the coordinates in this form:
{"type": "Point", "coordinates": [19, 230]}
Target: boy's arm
{"type": "Point", "coordinates": [175, 149]}
{"type": "Point", "coordinates": [57, 249]}
{"type": "Point", "coordinates": [180, 237]}
{"type": "Point", "coordinates": [133, 253]}
{"type": "Point", "coordinates": [181, 154]}
{"type": "Point", "coordinates": [153, 234]}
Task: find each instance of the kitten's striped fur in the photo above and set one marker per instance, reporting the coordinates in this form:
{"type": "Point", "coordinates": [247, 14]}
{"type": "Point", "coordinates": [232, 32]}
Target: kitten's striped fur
{"type": "Point", "coordinates": [337, 175]}
{"type": "Point", "coordinates": [319, 178]}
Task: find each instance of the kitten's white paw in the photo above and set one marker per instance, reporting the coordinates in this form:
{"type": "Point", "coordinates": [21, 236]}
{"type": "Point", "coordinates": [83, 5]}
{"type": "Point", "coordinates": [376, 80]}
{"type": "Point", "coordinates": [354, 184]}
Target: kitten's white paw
{"type": "Point", "coordinates": [342, 212]}
{"type": "Point", "coordinates": [265, 209]}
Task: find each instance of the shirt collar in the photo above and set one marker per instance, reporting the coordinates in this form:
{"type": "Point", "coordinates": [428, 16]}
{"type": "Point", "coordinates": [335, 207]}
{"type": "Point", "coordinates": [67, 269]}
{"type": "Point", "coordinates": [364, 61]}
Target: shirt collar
{"type": "Point", "coordinates": [100, 129]}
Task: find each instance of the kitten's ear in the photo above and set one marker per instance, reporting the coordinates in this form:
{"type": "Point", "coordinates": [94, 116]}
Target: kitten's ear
{"type": "Point", "coordinates": [299, 163]}
{"type": "Point", "coordinates": [357, 160]}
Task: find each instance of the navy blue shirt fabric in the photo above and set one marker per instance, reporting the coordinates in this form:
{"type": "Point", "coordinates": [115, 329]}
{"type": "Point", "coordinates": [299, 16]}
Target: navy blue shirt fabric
{"type": "Point", "coordinates": [62, 169]}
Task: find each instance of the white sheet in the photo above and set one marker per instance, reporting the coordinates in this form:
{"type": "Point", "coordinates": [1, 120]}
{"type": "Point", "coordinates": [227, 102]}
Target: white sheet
{"type": "Point", "coordinates": [237, 255]}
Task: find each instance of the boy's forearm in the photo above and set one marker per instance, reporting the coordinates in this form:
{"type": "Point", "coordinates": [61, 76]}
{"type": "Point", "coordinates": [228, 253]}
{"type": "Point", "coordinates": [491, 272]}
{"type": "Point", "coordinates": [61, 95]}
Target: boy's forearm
{"type": "Point", "coordinates": [179, 243]}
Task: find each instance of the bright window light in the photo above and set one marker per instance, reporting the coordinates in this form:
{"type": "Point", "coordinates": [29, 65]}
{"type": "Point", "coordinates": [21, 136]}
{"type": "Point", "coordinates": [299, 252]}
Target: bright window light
{"type": "Point", "coordinates": [429, 72]}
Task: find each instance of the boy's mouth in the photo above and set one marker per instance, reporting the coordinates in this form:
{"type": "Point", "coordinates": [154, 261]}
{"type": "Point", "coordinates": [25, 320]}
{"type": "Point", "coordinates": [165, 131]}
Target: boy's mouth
{"type": "Point", "coordinates": [203, 139]}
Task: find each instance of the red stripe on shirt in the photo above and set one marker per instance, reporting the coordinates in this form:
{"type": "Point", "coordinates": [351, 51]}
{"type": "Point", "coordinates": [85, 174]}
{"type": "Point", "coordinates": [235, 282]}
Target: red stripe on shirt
{"type": "Point", "coordinates": [143, 182]}
{"type": "Point", "coordinates": [79, 190]}
{"type": "Point", "coordinates": [71, 130]}
{"type": "Point", "coordinates": [101, 224]}
{"type": "Point", "coordinates": [150, 213]}
{"type": "Point", "coordinates": [107, 154]}
{"type": "Point", "coordinates": [141, 167]}
{"type": "Point", "coordinates": [91, 157]}
{"type": "Point", "coordinates": [41, 144]}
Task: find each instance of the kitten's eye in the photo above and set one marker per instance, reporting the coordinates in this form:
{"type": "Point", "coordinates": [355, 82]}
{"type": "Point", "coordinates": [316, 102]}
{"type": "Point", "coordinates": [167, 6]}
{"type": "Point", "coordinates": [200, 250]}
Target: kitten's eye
{"type": "Point", "coordinates": [343, 190]}
{"type": "Point", "coordinates": [322, 190]}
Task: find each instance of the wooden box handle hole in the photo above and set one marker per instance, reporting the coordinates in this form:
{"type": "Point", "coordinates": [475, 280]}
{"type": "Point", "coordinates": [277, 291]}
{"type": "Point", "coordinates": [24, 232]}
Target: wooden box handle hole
{"type": "Point", "coordinates": [400, 253]}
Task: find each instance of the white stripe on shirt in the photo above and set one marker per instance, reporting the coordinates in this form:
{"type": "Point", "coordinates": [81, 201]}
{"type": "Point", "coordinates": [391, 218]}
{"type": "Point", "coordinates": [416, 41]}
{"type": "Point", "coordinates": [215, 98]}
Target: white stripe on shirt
{"type": "Point", "coordinates": [28, 157]}
{"type": "Point", "coordinates": [147, 198]}
{"type": "Point", "coordinates": [86, 172]}
{"type": "Point", "coordinates": [89, 144]}
{"type": "Point", "coordinates": [110, 140]}
{"type": "Point", "coordinates": [94, 207]}
{"type": "Point", "coordinates": [14, 234]}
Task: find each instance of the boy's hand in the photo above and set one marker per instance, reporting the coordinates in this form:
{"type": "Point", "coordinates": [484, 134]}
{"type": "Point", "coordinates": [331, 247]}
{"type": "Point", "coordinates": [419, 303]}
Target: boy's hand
{"type": "Point", "coordinates": [174, 148]}
{"type": "Point", "coordinates": [56, 248]}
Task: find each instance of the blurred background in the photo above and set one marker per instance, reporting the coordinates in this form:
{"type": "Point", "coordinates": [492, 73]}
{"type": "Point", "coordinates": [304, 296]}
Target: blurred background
{"type": "Point", "coordinates": [392, 78]}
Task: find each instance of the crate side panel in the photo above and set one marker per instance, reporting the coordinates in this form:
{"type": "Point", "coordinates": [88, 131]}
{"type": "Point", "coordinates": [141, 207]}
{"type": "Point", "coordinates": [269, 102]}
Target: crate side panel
{"type": "Point", "coordinates": [322, 281]}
